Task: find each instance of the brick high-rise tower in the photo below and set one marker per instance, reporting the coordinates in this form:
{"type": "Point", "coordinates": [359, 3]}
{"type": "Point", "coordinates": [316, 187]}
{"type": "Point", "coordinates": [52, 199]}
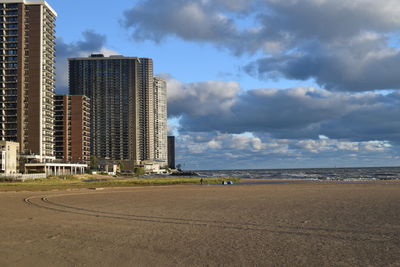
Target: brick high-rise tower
{"type": "Point", "coordinates": [72, 128]}
{"type": "Point", "coordinates": [121, 96]}
{"type": "Point", "coordinates": [27, 76]}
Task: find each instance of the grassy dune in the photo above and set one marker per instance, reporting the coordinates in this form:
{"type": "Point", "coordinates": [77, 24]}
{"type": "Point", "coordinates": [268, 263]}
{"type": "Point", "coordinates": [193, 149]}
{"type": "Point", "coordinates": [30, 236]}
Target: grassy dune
{"type": "Point", "coordinates": [96, 181]}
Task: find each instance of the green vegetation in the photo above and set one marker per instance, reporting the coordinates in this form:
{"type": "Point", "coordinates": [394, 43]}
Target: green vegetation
{"type": "Point", "coordinates": [6, 179]}
{"type": "Point", "coordinates": [121, 166]}
{"type": "Point", "coordinates": [94, 163]}
{"type": "Point", "coordinates": [140, 171]}
{"type": "Point", "coordinates": [90, 181]}
{"type": "Point", "coordinates": [63, 177]}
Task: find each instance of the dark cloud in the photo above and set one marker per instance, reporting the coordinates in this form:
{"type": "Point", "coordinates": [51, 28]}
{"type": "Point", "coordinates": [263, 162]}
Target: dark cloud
{"type": "Point", "coordinates": [194, 20]}
{"type": "Point", "coordinates": [328, 20]}
{"type": "Point", "coordinates": [201, 98]}
{"type": "Point", "coordinates": [341, 45]}
{"type": "Point", "coordinates": [92, 42]}
{"type": "Point", "coordinates": [297, 113]}
{"type": "Point", "coordinates": [362, 64]}
{"type": "Point", "coordinates": [191, 20]}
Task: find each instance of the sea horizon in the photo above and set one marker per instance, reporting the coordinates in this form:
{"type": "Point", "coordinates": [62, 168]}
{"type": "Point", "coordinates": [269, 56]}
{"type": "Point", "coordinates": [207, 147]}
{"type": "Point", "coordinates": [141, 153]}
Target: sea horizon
{"type": "Point", "coordinates": [293, 168]}
{"type": "Point", "coordinates": [338, 173]}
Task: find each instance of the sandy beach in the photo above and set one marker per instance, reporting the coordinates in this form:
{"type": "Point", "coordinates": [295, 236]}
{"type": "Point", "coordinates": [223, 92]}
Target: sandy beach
{"type": "Point", "coordinates": [245, 225]}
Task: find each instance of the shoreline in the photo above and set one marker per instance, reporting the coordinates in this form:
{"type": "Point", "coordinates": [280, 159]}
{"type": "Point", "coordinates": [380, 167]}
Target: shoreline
{"type": "Point", "coordinates": [255, 180]}
{"type": "Point", "coordinates": [45, 185]}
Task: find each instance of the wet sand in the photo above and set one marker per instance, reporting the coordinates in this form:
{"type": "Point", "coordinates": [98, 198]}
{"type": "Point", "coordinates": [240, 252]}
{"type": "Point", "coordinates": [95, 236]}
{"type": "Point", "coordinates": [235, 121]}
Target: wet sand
{"type": "Point", "coordinates": [245, 225]}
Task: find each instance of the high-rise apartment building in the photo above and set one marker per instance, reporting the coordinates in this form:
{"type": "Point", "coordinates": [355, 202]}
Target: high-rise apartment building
{"type": "Point", "coordinates": [171, 152]}
{"type": "Point", "coordinates": [121, 96]}
{"type": "Point", "coordinates": [72, 128]}
{"type": "Point", "coordinates": [27, 76]}
{"type": "Point", "coordinates": [160, 120]}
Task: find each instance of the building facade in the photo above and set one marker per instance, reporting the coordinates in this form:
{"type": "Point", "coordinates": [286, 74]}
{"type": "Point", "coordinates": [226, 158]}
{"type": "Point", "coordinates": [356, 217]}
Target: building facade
{"type": "Point", "coordinates": [160, 120]}
{"type": "Point", "coordinates": [9, 157]}
{"type": "Point", "coordinates": [27, 76]}
{"type": "Point", "coordinates": [72, 128]}
{"type": "Point", "coordinates": [171, 152]}
{"type": "Point", "coordinates": [121, 92]}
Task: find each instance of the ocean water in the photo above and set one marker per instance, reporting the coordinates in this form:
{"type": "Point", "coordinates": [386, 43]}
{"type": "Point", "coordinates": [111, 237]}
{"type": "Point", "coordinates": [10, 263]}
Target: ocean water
{"type": "Point", "coordinates": [347, 174]}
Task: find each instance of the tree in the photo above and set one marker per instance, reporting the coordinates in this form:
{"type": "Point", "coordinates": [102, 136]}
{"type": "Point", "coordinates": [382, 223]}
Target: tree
{"type": "Point", "coordinates": [94, 163]}
{"type": "Point", "coordinates": [140, 171]}
{"type": "Point", "coordinates": [121, 166]}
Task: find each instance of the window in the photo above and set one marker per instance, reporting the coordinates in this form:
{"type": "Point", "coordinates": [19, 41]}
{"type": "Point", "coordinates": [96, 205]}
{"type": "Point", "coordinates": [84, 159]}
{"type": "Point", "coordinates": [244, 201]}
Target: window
{"type": "Point", "coordinates": [11, 92]}
{"type": "Point", "coordinates": [12, 12]}
{"type": "Point", "coordinates": [12, 6]}
{"type": "Point", "coordinates": [11, 79]}
{"type": "Point", "coordinates": [11, 65]}
{"type": "Point", "coordinates": [12, 19]}
{"type": "Point", "coordinates": [12, 85]}
{"type": "Point", "coordinates": [12, 32]}
{"type": "Point", "coordinates": [12, 25]}
{"type": "Point", "coordinates": [11, 39]}
{"type": "Point", "coordinates": [11, 58]}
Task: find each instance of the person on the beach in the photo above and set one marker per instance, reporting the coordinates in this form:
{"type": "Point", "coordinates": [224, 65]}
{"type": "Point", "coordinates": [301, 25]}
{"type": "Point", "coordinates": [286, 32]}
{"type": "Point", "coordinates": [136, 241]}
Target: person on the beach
{"type": "Point", "coordinates": [201, 181]}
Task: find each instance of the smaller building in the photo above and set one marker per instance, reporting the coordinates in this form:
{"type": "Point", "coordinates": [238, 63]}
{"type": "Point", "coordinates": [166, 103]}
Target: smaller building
{"type": "Point", "coordinates": [56, 168]}
{"type": "Point", "coordinates": [111, 167]}
{"type": "Point", "coordinates": [153, 167]}
{"type": "Point", "coordinates": [9, 157]}
{"type": "Point", "coordinates": [72, 128]}
{"type": "Point", "coordinates": [171, 152]}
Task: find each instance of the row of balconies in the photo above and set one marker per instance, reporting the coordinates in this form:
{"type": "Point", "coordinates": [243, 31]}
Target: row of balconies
{"type": "Point", "coordinates": [9, 45]}
{"type": "Point", "coordinates": [9, 34]}
{"type": "Point", "coordinates": [10, 133]}
{"type": "Point", "coordinates": [10, 115]}
{"type": "Point", "coordinates": [9, 106]}
{"type": "Point", "coordinates": [8, 6]}
{"type": "Point", "coordinates": [50, 57]}
{"type": "Point", "coordinates": [8, 124]}
{"type": "Point", "coordinates": [51, 29]}
{"type": "Point", "coordinates": [49, 22]}
{"type": "Point", "coordinates": [8, 19]}
{"type": "Point", "coordinates": [9, 130]}
{"type": "Point", "coordinates": [49, 66]}
{"type": "Point", "coordinates": [8, 66]}
{"type": "Point", "coordinates": [49, 38]}
{"type": "Point", "coordinates": [49, 63]}
{"type": "Point", "coordinates": [8, 99]}
{"type": "Point", "coordinates": [49, 43]}
{"type": "Point", "coordinates": [49, 19]}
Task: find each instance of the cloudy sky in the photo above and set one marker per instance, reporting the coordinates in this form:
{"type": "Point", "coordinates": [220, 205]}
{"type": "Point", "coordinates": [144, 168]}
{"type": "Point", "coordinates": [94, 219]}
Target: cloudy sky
{"type": "Point", "coordinates": [258, 83]}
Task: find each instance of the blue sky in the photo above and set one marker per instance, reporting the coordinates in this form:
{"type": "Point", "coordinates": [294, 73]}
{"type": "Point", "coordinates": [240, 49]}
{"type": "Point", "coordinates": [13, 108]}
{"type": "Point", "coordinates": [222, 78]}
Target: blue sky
{"type": "Point", "coordinates": [258, 83]}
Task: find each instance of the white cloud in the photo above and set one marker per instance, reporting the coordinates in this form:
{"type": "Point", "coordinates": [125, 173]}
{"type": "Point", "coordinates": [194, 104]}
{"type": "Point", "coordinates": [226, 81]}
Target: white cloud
{"type": "Point", "coordinates": [326, 144]}
{"type": "Point", "coordinates": [219, 150]}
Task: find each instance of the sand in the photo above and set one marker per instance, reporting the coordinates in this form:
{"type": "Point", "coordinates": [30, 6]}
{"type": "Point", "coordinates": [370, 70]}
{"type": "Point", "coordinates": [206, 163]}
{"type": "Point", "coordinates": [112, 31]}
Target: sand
{"type": "Point", "coordinates": [246, 225]}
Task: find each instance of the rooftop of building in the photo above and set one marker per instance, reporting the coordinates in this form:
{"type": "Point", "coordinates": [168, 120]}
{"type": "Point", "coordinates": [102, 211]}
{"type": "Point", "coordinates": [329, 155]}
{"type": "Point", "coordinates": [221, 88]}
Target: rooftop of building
{"type": "Point", "coordinates": [102, 57]}
{"type": "Point", "coordinates": [9, 143]}
{"type": "Point", "coordinates": [158, 78]}
{"type": "Point", "coordinates": [30, 2]}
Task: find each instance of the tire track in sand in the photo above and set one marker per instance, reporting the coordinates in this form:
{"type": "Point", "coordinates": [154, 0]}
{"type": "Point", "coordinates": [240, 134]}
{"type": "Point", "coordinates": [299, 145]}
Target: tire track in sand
{"type": "Point", "coordinates": [43, 202]}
